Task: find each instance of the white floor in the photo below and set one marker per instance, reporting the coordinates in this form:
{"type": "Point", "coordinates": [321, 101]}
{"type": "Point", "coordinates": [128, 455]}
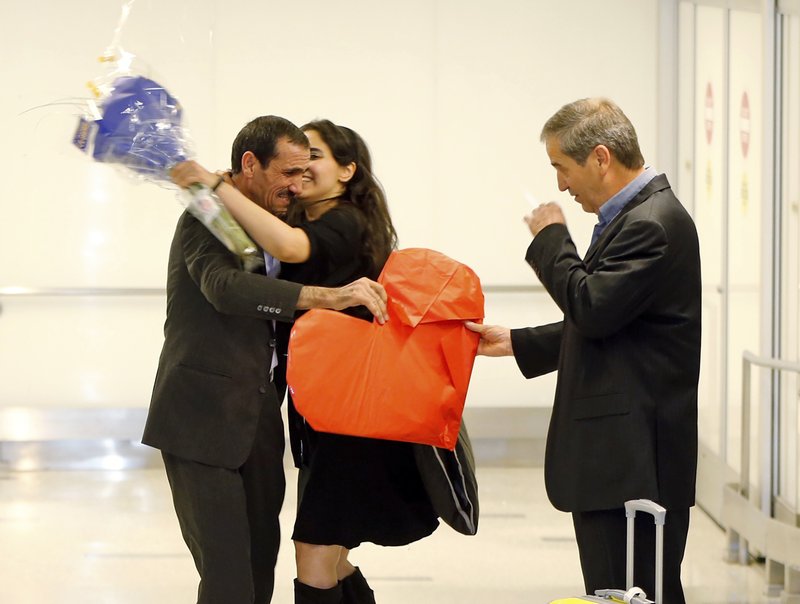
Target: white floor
{"type": "Point", "coordinates": [98, 537]}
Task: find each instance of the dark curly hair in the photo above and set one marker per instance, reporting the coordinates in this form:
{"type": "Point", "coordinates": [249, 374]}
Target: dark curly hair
{"type": "Point", "coordinates": [362, 191]}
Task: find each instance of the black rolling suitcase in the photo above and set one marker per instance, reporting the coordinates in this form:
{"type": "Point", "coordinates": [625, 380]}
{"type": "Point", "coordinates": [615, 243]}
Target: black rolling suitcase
{"type": "Point", "coordinates": [631, 594]}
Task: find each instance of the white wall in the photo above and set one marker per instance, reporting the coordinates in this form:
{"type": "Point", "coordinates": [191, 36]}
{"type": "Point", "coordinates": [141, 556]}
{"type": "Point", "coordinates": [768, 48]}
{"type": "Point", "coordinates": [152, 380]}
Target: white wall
{"type": "Point", "coordinates": [450, 94]}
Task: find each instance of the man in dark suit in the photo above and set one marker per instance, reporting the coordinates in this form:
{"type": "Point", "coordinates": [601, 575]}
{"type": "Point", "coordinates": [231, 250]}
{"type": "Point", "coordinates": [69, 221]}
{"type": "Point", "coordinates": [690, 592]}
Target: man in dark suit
{"type": "Point", "coordinates": [214, 412]}
{"type": "Point", "coordinates": [624, 421]}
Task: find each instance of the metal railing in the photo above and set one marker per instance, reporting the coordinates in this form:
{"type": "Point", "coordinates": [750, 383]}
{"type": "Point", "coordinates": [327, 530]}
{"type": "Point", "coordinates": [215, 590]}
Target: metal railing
{"type": "Point", "coordinates": [89, 292]}
{"type": "Point", "coordinates": [160, 291]}
{"type": "Point", "coordinates": [748, 360]}
{"type": "Point", "coordinates": [76, 292]}
{"type": "Point", "coordinates": [58, 292]}
{"type": "Point", "coordinates": [748, 512]}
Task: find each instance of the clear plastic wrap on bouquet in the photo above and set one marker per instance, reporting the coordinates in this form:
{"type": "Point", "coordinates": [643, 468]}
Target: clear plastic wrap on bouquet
{"type": "Point", "coordinates": [136, 123]}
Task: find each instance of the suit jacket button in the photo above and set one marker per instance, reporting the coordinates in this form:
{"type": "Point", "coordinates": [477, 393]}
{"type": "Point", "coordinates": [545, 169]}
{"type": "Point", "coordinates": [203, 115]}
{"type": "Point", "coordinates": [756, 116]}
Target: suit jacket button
{"type": "Point", "coordinates": [259, 307]}
{"type": "Point", "coordinates": [272, 342]}
{"type": "Point", "coordinates": [262, 389]}
{"type": "Point", "coordinates": [277, 311]}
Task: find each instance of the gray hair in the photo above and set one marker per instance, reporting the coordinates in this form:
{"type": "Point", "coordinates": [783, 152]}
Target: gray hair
{"type": "Point", "coordinates": [582, 125]}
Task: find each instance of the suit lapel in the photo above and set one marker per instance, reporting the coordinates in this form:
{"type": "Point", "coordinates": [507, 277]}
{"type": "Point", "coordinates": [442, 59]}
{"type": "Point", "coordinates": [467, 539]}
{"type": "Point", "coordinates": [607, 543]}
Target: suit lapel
{"type": "Point", "coordinates": [659, 183]}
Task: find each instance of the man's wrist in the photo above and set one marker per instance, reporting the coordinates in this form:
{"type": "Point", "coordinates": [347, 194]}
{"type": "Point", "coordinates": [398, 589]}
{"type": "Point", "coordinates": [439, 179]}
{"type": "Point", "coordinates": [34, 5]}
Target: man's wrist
{"type": "Point", "coordinates": [312, 296]}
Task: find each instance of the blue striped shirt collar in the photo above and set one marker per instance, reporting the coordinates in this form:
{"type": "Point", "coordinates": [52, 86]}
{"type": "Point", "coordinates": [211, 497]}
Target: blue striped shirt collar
{"type": "Point", "coordinates": [609, 210]}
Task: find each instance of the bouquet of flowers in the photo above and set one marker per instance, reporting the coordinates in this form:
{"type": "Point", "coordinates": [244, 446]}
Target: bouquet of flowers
{"type": "Point", "coordinates": [134, 122]}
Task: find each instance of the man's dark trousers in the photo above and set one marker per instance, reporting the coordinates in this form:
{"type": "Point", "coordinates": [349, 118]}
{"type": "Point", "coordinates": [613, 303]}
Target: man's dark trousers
{"type": "Point", "coordinates": [229, 518]}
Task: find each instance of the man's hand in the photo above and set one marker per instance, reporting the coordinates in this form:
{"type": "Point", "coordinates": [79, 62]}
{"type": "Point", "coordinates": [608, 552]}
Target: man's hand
{"type": "Point", "coordinates": [546, 214]}
{"type": "Point", "coordinates": [363, 292]}
{"type": "Point", "coordinates": [495, 340]}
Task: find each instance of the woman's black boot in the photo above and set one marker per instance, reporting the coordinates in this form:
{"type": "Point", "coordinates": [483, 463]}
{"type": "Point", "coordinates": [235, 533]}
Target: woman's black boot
{"type": "Point", "coordinates": [356, 590]}
{"type": "Point", "coordinates": [305, 594]}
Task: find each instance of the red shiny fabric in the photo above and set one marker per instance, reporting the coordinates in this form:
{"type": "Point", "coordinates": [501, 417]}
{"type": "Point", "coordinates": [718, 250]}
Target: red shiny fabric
{"type": "Point", "coordinates": [406, 380]}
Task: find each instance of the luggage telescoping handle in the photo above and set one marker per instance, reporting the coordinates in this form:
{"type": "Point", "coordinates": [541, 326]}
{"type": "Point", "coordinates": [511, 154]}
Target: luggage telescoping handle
{"type": "Point", "coordinates": [659, 515]}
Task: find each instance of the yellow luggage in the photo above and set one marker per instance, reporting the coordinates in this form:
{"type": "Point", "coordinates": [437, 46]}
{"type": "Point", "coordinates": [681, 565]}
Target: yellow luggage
{"type": "Point", "coordinates": [632, 595]}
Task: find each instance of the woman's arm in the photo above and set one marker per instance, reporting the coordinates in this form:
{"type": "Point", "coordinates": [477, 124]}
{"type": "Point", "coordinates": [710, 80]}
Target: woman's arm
{"type": "Point", "coordinates": [287, 244]}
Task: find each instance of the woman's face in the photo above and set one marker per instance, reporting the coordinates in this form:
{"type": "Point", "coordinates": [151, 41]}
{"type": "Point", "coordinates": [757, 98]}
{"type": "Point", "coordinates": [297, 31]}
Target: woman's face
{"type": "Point", "coordinates": [324, 177]}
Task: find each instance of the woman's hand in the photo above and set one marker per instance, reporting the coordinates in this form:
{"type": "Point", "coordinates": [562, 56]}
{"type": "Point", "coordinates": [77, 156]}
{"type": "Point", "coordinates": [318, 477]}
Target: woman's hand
{"type": "Point", "coordinates": [187, 173]}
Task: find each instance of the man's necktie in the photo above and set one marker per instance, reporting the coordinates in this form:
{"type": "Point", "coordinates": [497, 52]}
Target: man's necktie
{"type": "Point", "coordinates": [272, 267]}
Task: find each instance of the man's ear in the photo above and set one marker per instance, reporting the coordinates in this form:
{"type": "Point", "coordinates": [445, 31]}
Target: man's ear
{"type": "Point", "coordinates": [602, 156]}
{"type": "Point", "coordinates": [347, 172]}
{"type": "Point", "coordinates": [249, 163]}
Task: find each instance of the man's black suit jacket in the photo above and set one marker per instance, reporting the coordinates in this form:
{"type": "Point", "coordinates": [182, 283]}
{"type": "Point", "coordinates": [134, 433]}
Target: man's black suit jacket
{"type": "Point", "coordinates": [213, 373]}
{"type": "Point", "coordinates": [624, 421]}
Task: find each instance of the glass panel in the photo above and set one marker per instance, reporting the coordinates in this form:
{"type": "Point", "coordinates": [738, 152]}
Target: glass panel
{"type": "Point", "coordinates": [790, 254]}
{"type": "Point", "coordinates": [709, 213]}
{"type": "Point", "coordinates": [744, 211]}
{"type": "Point", "coordinates": [79, 351]}
{"type": "Point", "coordinates": [72, 223]}
{"type": "Point", "coordinates": [684, 179]}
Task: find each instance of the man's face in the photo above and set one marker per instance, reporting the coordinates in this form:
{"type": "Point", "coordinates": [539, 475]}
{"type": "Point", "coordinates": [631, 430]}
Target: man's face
{"type": "Point", "coordinates": [584, 183]}
{"type": "Point", "coordinates": [273, 186]}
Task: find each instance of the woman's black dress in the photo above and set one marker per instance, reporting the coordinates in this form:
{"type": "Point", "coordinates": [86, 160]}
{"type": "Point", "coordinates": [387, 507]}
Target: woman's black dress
{"type": "Point", "coordinates": [352, 489]}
